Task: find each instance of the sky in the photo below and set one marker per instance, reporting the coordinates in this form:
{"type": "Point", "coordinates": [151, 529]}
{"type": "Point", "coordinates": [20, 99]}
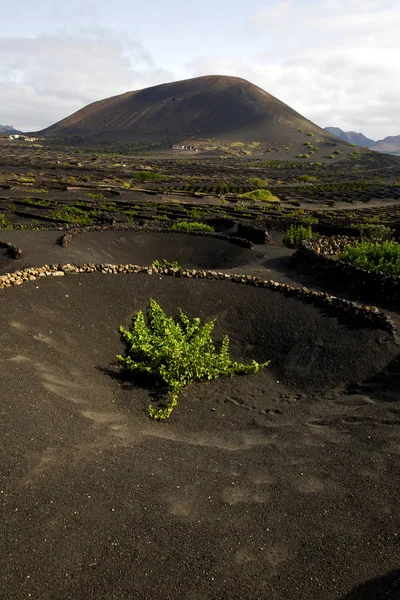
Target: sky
{"type": "Point", "coordinates": [337, 62]}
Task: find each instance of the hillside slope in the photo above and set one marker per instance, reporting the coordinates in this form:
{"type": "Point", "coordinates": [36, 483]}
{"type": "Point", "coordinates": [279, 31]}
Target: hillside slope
{"type": "Point", "coordinates": [220, 107]}
{"type": "Point", "coordinates": [7, 129]}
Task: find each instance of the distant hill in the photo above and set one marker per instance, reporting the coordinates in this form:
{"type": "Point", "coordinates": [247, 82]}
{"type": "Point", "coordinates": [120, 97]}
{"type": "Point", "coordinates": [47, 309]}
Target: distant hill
{"type": "Point", "coordinates": [351, 136]}
{"type": "Point", "coordinates": [7, 129]}
{"type": "Point", "coordinates": [390, 145]}
{"type": "Point", "coordinates": [216, 106]}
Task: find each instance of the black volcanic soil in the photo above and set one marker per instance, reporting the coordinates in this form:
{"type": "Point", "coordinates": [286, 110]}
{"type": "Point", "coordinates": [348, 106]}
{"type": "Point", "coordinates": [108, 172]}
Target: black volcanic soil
{"type": "Point", "coordinates": [42, 247]}
{"type": "Point", "coordinates": [278, 485]}
{"type": "Point", "coordinates": [282, 485]}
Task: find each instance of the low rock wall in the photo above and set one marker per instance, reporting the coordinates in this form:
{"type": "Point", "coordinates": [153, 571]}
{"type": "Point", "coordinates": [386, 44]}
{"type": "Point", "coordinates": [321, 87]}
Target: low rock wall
{"type": "Point", "coordinates": [313, 257]}
{"type": "Point", "coordinates": [12, 250]}
{"type": "Point", "coordinates": [367, 315]}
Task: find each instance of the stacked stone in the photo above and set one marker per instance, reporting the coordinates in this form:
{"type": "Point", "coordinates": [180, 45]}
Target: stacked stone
{"type": "Point", "coordinates": [367, 314]}
{"type": "Point", "coordinates": [12, 250]}
{"type": "Point", "coordinates": [310, 258]}
{"type": "Point", "coordinates": [332, 245]}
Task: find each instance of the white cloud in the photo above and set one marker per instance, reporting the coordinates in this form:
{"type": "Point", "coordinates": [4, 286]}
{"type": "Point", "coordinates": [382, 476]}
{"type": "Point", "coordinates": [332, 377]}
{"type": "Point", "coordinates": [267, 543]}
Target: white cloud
{"type": "Point", "coordinates": [47, 78]}
{"type": "Point", "coordinates": [357, 89]}
{"type": "Point", "coordinates": [336, 61]}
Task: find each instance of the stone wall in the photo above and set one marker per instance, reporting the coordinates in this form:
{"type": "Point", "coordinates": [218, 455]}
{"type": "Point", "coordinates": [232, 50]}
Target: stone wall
{"type": "Point", "coordinates": [313, 257]}
{"type": "Point", "coordinates": [11, 249]}
{"type": "Point", "coordinates": [366, 315]}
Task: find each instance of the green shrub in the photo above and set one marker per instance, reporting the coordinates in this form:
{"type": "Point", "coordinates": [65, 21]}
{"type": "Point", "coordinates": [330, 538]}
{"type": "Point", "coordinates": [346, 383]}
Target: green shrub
{"type": "Point", "coordinates": [295, 234]}
{"type": "Point", "coordinates": [257, 182]}
{"type": "Point", "coordinates": [374, 256]}
{"type": "Point", "coordinates": [71, 214]}
{"type": "Point", "coordinates": [310, 134]}
{"type": "Point", "coordinates": [4, 223]}
{"type": "Point", "coordinates": [166, 264]}
{"type": "Point", "coordinates": [308, 178]}
{"type": "Point", "coordinates": [370, 231]}
{"type": "Point", "coordinates": [96, 195]}
{"type": "Point", "coordinates": [264, 195]}
{"type": "Point", "coordinates": [149, 176]}
{"type": "Point", "coordinates": [173, 353]}
{"type": "Point", "coordinates": [310, 221]}
{"type": "Point", "coordinates": [192, 226]}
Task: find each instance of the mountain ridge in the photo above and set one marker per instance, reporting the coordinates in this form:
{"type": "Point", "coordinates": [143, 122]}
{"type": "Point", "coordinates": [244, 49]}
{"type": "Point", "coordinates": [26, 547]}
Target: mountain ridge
{"type": "Point", "coordinates": [389, 145]}
{"type": "Point", "coordinates": [8, 129]}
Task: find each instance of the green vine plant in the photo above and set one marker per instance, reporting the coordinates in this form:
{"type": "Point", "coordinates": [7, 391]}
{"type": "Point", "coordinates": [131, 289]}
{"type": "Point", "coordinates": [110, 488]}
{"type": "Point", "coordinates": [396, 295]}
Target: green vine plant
{"type": "Point", "coordinates": [166, 264]}
{"type": "Point", "coordinates": [173, 353]}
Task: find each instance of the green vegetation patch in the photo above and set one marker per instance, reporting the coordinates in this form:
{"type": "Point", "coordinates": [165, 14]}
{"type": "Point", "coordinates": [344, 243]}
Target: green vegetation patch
{"type": "Point", "coordinates": [173, 353]}
{"type": "Point", "coordinates": [4, 223]}
{"type": "Point", "coordinates": [71, 214]}
{"type": "Point", "coordinates": [375, 257]}
{"type": "Point", "coordinates": [262, 194]}
{"type": "Point", "coordinates": [257, 182]}
{"type": "Point", "coordinates": [192, 226]}
{"type": "Point", "coordinates": [96, 195]}
{"type": "Point", "coordinates": [149, 176]}
{"type": "Point", "coordinates": [165, 264]}
{"type": "Point", "coordinates": [375, 232]}
{"type": "Point", "coordinates": [295, 234]}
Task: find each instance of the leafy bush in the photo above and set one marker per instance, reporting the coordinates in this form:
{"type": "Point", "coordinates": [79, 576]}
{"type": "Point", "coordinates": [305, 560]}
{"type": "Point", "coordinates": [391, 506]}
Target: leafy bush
{"type": "Point", "coordinates": [96, 195]}
{"type": "Point", "coordinates": [192, 226]}
{"type": "Point", "coordinates": [264, 195]}
{"type": "Point", "coordinates": [172, 354]}
{"type": "Point", "coordinates": [308, 178]}
{"type": "Point", "coordinates": [374, 256]}
{"type": "Point", "coordinates": [310, 134]}
{"type": "Point", "coordinates": [310, 221]}
{"type": "Point", "coordinates": [149, 176]}
{"type": "Point", "coordinates": [165, 264]}
{"type": "Point", "coordinates": [71, 214]}
{"type": "Point", "coordinates": [257, 182]}
{"type": "Point", "coordinates": [295, 234]}
{"type": "Point", "coordinates": [374, 232]}
{"type": "Point", "coordinates": [4, 223]}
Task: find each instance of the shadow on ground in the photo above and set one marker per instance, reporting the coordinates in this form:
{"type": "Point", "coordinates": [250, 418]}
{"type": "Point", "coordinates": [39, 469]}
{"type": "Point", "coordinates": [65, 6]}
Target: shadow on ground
{"type": "Point", "coordinates": [386, 587]}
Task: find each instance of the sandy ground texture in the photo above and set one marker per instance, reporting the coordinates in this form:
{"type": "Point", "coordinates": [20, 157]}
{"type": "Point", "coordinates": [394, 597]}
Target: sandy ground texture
{"type": "Point", "coordinates": [280, 485]}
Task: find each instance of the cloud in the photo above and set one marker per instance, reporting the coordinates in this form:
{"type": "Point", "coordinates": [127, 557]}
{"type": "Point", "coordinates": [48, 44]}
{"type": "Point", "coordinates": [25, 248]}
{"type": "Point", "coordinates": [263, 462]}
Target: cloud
{"type": "Point", "coordinates": [335, 61]}
{"type": "Point", "coordinates": [358, 17]}
{"type": "Point", "coordinates": [47, 78]}
{"type": "Point", "coordinates": [356, 89]}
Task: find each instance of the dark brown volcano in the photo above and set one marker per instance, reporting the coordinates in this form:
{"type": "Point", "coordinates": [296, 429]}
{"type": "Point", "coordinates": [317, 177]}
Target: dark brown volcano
{"type": "Point", "coordinates": [215, 106]}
